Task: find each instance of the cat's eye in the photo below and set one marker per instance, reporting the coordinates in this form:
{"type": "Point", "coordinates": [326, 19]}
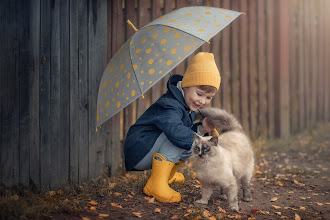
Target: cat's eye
{"type": "Point", "coordinates": [206, 149]}
{"type": "Point", "coordinates": [197, 149]}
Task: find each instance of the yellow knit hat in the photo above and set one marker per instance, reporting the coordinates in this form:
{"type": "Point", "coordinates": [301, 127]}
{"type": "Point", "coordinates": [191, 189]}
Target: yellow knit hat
{"type": "Point", "coordinates": [202, 71]}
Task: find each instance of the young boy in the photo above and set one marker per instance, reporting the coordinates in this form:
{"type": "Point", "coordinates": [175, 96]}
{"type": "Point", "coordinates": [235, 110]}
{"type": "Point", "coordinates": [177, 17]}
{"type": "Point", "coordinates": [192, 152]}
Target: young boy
{"type": "Point", "coordinates": [162, 137]}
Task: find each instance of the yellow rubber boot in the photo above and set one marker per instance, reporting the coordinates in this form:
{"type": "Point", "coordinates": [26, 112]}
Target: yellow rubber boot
{"type": "Point", "coordinates": [157, 185]}
{"type": "Point", "coordinates": [176, 177]}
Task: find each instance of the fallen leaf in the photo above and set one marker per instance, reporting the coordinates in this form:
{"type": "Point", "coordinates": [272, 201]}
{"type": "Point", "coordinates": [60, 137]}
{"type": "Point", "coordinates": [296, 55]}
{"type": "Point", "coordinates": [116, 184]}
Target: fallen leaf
{"type": "Point", "coordinates": [279, 213]}
{"type": "Point", "coordinates": [206, 214]}
{"type": "Point", "coordinates": [296, 182]}
{"type": "Point", "coordinates": [212, 218]}
{"type": "Point", "coordinates": [84, 218]}
{"type": "Point", "coordinates": [157, 210]}
{"type": "Point", "coordinates": [222, 210]}
{"type": "Point", "coordinates": [137, 214]}
{"type": "Point", "coordinates": [112, 185]}
{"type": "Point", "coordinates": [220, 215]}
{"type": "Point", "coordinates": [92, 208]}
{"type": "Point", "coordinates": [130, 196]}
{"type": "Point", "coordinates": [254, 210]}
{"type": "Point", "coordinates": [93, 202]}
{"type": "Point", "coordinates": [318, 203]}
{"type": "Point", "coordinates": [302, 198]}
{"type": "Point", "coordinates": [253, 218]}
{"type": "Point", "coordinates": [175, 217]}
{"type": "Point", "coordinates": [302, 208]}
{"type": "Point", "coordinates": [52, 193]}
{"type": "Point", "coordinates": [103, 215]}
{"type": "Point", "coordinates": [117, 194]}
{"type": "Point", "coordinates": [274, 199]}
{"type": "Point", "coordinates": [290, 192]}
{"type": "Point", "coordinates": [116, 205]}
{"type": "Point", "coordinates": [151, 200]}
{"type": "Point", "coordinates": [296, 217]}
{"type": "Point", "coordinates": [197, 217]}
{"type": "Point", "coordinates": [194, 175]}
{"type": "Point", "coordinates": [134, 177]}
{"type": "Point", "coordinates": [276, 207]}
{"type": "Point", "coordinates": [15, 197]}
{"type": "Point", "coordinates": [279, 183]}
{"type": "Point", "coordinates": [60, 192]}
{"type": "Point", "coordinates": [199, 183]}
{"type": "Point", "coordinates": [258, 172]}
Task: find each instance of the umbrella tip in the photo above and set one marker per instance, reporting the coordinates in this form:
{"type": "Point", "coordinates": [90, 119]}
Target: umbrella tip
{"type": "Point", "coordinates": [132, 25]}
{"type": "Point", "coordinates": [243, 13]}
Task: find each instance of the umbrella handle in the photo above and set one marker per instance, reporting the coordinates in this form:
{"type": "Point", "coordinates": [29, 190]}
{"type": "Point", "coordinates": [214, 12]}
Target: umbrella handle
{"type": "Point", "coordinates": [132, 25]}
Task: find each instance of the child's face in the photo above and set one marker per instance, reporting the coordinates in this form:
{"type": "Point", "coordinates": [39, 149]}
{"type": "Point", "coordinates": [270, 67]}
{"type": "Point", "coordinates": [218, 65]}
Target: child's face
{"type": "Point", "coordinates": [196, 98]}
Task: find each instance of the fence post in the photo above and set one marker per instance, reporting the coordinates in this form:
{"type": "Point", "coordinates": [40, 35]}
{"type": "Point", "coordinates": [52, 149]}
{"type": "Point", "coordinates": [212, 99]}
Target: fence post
{"type": "Point", "coordinates": [281, 69]}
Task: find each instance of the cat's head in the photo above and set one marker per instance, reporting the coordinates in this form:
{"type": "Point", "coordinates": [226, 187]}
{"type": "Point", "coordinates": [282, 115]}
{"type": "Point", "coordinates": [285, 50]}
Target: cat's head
{"type": "Point", "coordinates": [204, 147]}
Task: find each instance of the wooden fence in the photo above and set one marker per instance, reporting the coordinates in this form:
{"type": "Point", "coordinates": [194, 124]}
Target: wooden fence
{"type": "Point", "coordinates": [274, 64]}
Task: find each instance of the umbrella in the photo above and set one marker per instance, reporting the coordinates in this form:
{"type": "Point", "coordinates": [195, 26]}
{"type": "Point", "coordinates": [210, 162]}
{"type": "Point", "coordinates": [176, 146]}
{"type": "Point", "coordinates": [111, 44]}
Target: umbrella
{"type": "Point", "coordinates": [154, 51]}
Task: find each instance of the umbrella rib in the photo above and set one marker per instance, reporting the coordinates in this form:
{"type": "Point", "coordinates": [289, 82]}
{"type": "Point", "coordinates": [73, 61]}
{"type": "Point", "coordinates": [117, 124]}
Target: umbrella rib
{"type": "Point", "coordinates": [130, 58]}
{"type": "Point", "coordinates": [179, 30]}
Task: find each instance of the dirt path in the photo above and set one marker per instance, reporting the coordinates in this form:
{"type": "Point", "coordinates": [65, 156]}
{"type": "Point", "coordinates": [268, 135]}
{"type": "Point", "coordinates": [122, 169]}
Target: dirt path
{"type": "Point", "coordinates": [291, 181]}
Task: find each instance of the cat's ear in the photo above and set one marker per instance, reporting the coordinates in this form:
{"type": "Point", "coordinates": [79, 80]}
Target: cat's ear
{"type": "Point", "coordinates": [196, 137]}
{"type": "Point", "coordinates": [214, 139]}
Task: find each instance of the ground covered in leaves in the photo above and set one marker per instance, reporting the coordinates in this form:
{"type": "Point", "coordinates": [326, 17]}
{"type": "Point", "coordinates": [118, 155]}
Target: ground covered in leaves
{"type": "Point", "coordinates": [291, 181]}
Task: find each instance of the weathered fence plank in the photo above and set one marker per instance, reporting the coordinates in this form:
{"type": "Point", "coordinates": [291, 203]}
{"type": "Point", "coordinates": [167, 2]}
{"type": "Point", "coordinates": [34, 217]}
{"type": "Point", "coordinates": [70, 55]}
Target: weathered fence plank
{"type": "Point", "coordinates": [281, 66]}
{"type": "Point", "coordinates": [23, 59]}
{"type": "Point", "coordinates": [301, 77]}
{"type": "Point", "coordinates": [270, 68]}
{"type": "Point", "coordinates": [244, 68]}
{"type": "Point", "coordinates": [215, 49]}
{"type": "Point", "coordinates": [313, 58]}
{"type": "Point", "coordinates": [293, 68]}
{"type": "Point", "coordinates": [55, 96]}
{"type": "Point", "coordinates": [252, 67]}
{"type": "Point", "coordinates": [113, 153]}
{"type": "Point", "coordinates": [64, 146]}
{"type": "Point", "coordinates": [83, 90]}
{"type": "Point", "coordinates": [327, 65]}
{"type": "Point", "coordinates": [261, 69]}
{"type": "Point", "coordinates": [225, 64]}
{"type": "Point", "coordinates": [74, 92]}
{"type": "Point", "coordinates": [235, 51]}
{"type": "Point", "coordinates": [97, 25]}
{"type": "Point", "coordinates": [45, 138]}
{"type": "Point", "coordinates": [34, 75]}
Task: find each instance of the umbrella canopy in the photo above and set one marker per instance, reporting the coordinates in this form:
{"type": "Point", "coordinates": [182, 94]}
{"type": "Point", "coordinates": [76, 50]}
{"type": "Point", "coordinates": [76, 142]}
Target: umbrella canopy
{"type": "Point", "coordinates": [155, 50]}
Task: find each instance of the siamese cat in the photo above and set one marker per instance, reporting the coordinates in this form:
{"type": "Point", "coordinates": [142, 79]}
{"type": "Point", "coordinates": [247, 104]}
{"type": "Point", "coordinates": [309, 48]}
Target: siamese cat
{"type": "Point", "coordinates": [224, 161]}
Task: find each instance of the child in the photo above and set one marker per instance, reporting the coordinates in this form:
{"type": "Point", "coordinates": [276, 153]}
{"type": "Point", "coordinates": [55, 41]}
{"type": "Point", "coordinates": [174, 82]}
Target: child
{"type": "Point", "coordinates": [162, 137]}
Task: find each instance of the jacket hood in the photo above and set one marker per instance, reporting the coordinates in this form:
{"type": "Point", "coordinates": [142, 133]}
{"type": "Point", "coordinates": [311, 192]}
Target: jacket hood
{"type": "Point", "coordinates": [173, 89]}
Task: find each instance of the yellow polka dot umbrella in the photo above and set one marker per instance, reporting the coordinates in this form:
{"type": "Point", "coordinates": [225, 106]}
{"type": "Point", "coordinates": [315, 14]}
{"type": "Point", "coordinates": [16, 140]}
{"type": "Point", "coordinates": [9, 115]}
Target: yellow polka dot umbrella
{"type": "Point", "coordinates": [155, 50]}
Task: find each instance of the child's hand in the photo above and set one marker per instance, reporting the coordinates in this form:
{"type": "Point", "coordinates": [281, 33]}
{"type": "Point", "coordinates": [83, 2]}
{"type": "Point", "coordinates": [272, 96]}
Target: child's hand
{"type": "Point", "coordinates": [205, 127]}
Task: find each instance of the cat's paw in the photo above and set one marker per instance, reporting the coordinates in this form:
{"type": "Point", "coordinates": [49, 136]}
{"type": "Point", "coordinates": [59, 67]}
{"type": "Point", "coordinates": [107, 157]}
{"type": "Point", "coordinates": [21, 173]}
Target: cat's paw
{"type": "Point", "coordinates": [223, 197]}
{"type": "Point", "coordinates": [234, 208]}
{"type": "Point", "coordinates": [247, 199]}
{"type": "Point", "coordinates": [201, 201]}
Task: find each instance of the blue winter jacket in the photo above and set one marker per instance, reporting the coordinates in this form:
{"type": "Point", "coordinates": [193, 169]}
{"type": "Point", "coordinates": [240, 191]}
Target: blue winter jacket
{"type": "Point", "coordinates": [169, 114]}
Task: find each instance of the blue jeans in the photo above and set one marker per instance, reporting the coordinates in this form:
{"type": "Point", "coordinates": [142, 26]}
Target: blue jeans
{"type": "Point", "coordinates": [164, 147]}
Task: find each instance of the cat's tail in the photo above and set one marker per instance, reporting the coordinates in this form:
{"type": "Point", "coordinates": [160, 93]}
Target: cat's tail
{"type": "Point", "coordinates": [220, 119]}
